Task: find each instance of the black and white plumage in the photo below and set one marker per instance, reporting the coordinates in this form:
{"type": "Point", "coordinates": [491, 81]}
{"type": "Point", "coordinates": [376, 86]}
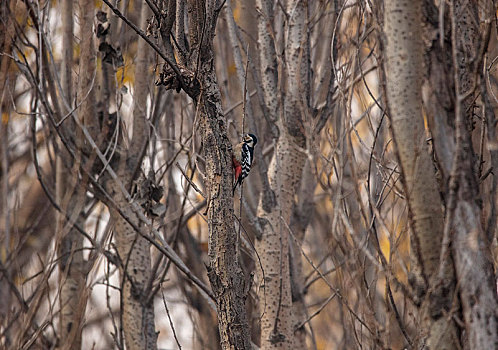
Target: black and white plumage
{"type": "Point", "coordinates": [243, 156]}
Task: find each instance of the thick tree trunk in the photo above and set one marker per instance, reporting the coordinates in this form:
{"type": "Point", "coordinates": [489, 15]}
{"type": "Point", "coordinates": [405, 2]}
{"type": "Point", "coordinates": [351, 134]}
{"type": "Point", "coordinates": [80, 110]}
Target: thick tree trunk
{"type": "Point", "coordinates": [473, 266]}
{"type": "Point", "coordinates": [225, 273]}
{"type": "Point", "coordinates": [277, 323]}
{"type": "Point", "coordinates": [403, 73]}
{"type": "Point", "coordinates": [284, 173]}
{"type": "Point", "coordinates": [134, 253]}
{"type": "Point", "coordinates": [230, 285]}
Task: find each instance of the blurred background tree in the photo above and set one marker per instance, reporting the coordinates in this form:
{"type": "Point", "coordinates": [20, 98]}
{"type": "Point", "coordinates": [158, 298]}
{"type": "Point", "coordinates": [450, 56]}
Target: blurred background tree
{"type": "Point", "coordinates": [368, 220]}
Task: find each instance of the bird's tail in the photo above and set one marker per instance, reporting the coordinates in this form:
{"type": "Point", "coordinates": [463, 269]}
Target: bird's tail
{"type": "Point", "coordinates": [238, 182]}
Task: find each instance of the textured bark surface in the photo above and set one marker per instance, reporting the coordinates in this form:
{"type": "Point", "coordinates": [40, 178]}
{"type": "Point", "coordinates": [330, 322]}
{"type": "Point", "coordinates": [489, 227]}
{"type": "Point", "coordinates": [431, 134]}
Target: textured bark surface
{"type": "Point", "coordinates": [87, 69]}
{"type": "Point", "coordinates": [225, 273]}
{"type": "Point", "coordinates": [439, 90]}
{"type": "Point", "coordinates": [299, 221]}
{"type": "Point", "coordinates": [404, 73]}
{"type": "Point", "coordinates": [267, 56]}
{"type": "Point", "coordinates": [272, 247]}
{"type": "Point", "coordinates": [278, 322]}
{"type": "Point", "coordinates": [486, 15]}
{"type": "Point", "coordinates": [475, 275]}
{"type": "Point", "coordinates": [473, 265]}
{"type": "Point", "coordinates": [134, 254]}
{"type": "Point", "coordinates": [230, 285]}
{"type": "Point", "coordinates": [143, 79]}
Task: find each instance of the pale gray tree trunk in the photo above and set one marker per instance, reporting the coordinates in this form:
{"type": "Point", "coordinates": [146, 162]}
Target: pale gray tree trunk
{"type": "Point", "coordinates": [134, 252]}
{"type": "Point", "coordinates": [70, 192]}
{"type": "Point", "coordinates": [274, 211]}
{"type": "Point", "coordinates": [403, 73]}
{"type": "Point", "coordinates": [133, 248]}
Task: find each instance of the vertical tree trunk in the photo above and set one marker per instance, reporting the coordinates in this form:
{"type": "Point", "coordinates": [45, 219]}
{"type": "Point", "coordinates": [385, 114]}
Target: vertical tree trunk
{"type": "Point", "coordinates": [134, 252]}
{"type": "Point", "coordinates": [134, 249]}
{"type": "Point", "coordinates": [6, 41]}
{"type": "Point", "coordinates": [277, 323]}
{"type": "Point", "coordinates": [473, 267]}
{"type": "Point", "coordinates": [300, 218]}
{"type": "Point", "coordinates": [403, 72]}
{"type": "Point", "coordinates": [225, 273]}
{"type": "Point", "coordinates": [284, 173]}
{"type": "Point", "coordinates": [230, 285]}
{"type": "Point", "coordinates": [70, 194]}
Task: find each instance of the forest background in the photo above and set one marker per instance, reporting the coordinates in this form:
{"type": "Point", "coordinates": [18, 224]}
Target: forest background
{"type": "Point", "coordinates": [369, 219]}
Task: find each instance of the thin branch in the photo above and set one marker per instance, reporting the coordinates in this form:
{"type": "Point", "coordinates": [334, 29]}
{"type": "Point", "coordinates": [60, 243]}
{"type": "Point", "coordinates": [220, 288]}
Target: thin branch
{"type": "Point", "coordinates": [190, 181]}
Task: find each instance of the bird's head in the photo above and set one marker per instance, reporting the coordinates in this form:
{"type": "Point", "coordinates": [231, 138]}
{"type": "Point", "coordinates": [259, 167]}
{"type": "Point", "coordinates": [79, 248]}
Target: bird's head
{"type": "Point", "coordinates": [250, 139]}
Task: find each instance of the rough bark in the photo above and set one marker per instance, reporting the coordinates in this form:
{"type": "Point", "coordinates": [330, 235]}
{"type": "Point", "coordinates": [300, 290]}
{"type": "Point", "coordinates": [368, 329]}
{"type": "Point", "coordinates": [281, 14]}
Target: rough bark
{"type": "Point", "coordinates": [487, 14]}
{"type": "Point", "coordinates": [229, 284]}
{"type": "Point", "coordinates": [267, 56]}
{"type": "Point", "coordinates": [72, 264]}
{"type": "Point", "coordinates": [198, 79]}
{"type": "Point", "coordinates": [268, 246]}
{"type": "Point", "coordinates": [300, 218]}
{"type": "Point", "coordinates": [277, 323]}
{"type": "Point", "coordinates": [225, 273]}
{"type": "Point", "coordinates": [473, 265]}
{"type": "Point", "coordinates": [404, 72]}
{"type": "Point", "coordinates": [141, 89]}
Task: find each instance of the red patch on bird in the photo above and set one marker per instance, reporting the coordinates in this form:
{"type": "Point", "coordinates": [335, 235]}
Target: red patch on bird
{"type": "Point", "coordinates": [237, 167]}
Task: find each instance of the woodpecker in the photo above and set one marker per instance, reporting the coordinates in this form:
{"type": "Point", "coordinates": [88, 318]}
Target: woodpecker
{"type": "Point", "coordinates": [242, 159]}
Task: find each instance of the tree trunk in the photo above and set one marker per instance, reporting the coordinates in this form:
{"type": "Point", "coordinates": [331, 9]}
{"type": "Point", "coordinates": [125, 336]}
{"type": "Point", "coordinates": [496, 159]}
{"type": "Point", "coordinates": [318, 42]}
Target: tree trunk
{"type": "Point", "coordinates": [284, 173]}
{"type": "Point", "coordinates": [403, 72]}
{"type": "Point", "coordinates": [137, 306]}
{"type": "Point", "coordinates": [134, 253]}
{"type": "Point", "coordinates": [473, 266]}
{"type": "Point", "coordinates": [225, 273]}
{"type": "Point", "coordinates": [70, 194]}
{"type": "Point", "coordinates": [230, 285]}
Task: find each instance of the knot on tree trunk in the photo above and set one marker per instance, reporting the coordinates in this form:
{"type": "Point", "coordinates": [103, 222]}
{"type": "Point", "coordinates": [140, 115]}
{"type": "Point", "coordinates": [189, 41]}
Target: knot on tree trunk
{"type": "Point", "coordinates": [171, 80]}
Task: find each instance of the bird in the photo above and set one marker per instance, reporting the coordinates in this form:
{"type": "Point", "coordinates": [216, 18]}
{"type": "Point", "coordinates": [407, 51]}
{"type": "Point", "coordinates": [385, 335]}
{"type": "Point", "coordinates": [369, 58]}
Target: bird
{"type": "Point", "coordinates": [242, 158]}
